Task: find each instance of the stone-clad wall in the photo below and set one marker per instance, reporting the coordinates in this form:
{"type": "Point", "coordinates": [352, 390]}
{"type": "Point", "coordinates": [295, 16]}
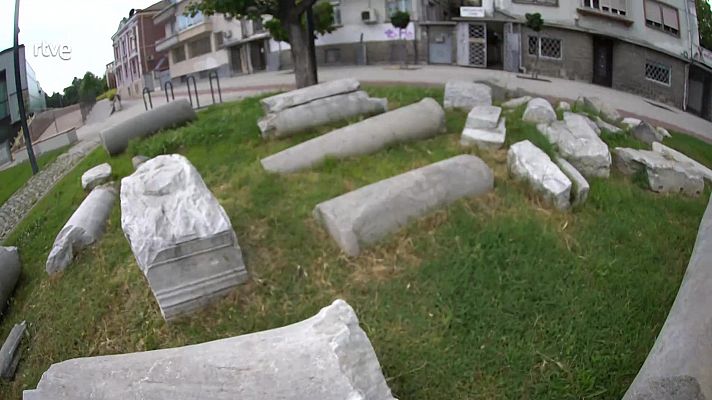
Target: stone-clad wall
{"type": "Point", "coordinates": [629, 73]}
{"type": "Point", "coordinates": [577, 55]}
{"type": "Point", "coordinates": [377, 53]}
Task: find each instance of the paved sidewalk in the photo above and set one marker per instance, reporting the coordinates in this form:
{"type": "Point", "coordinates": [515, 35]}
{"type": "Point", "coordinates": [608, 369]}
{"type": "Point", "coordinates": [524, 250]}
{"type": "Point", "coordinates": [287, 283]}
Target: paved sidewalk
{"type": "Point", "coordinates": [628, 104]}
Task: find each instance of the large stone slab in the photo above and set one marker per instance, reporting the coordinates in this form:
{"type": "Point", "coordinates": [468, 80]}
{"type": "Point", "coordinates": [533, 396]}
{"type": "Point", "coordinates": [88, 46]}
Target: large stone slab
{"type": "Point", "coordinates": [320, 112]}
{"type": "Point", "coordinates": [366, 215]}
{"type": "Point", "coordinates": [579, 145]}
{"type": "Point", "coordinates": [680, 363]}
{"type": "Point", "coordinates": [181, 237]}
{"type": "Point", "coordinates": [514, 103]}
{"type": "Point", "coordinates": [326, 357]}
{"type": "Point", "coordinates": [116, 138]}
{"type": "Point", "coordinates": [539, 111]}
{"type": "Point", "coordinates": [579, 184]}
{"type": "Point", "coordinates": [10, 351]}
{"type": "Point", "coordinates": [663, 175]}
{"type": "Point", "coordinates": [487, 138]}
{"type": "Point", "coordinates": [673, 154]}
{"type": "Point", "coordinates": [646, 133]}
{"type": "Point", "coordinates": [305, 95]}
{"type": "Point", "coordinates": [83, 228]}
{"type": "Point", "coordinates": [607, 127]}
{"type": "Point", "coordinates": [526, 162]}
{"type": "Point", "coordinates": [9, 274]}
{"type": "Point", "coordinates": [413, 122]}
{"type": "Point", "coordinates": [465, 95]}
{"type": "Point", "coordinates": [96, 176]}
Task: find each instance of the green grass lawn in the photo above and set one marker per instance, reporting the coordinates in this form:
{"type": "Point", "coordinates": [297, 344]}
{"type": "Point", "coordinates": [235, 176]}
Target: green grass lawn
{"type": "Point", "coordinates": [497, 297]}
{"type": "Point", "coordinates": [14, 178]}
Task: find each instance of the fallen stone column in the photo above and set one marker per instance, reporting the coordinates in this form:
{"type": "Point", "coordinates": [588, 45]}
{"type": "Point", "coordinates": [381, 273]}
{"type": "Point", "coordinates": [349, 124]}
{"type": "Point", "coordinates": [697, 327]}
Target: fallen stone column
{"type": "Point", "coordinates": [320, 112]}
{"type": "Point", "coordinates": [9, 273]}
{"type": "Point", "coordinates": [673, 154]}
{"type": "Point", "coordinates": [181, 237]}
{"type": "Point", "coordinates": [527, 162]}
{"type": "Point", "coordinates": [305, 95]}
{"type": "Point", "coordinates": [10, 351]}
{"type": "Point", "coordinates": [327, 356]}
{"type": "Point", "coordinates": [116, 138]}
{"type": "Point", "coordinates": [416, 121]}
{"type": "Point", "coordinates": [679, 366]}
{"type": "Point", "coordinates": [368, 214]}
{"type": "Point", "coordinates": [84, 227]}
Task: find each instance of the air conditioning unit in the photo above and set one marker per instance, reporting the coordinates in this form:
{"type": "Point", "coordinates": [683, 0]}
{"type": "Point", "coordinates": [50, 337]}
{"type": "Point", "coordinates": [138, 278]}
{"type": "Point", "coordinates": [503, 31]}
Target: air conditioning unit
{"type": "Point", "coordinates": [227, 34]}
{"type": "Point", "coordinates": [369, 16]}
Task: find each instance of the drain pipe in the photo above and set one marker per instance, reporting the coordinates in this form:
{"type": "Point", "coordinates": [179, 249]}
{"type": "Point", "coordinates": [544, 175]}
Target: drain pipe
{"type": "Point", "coordinates": [690, 57]}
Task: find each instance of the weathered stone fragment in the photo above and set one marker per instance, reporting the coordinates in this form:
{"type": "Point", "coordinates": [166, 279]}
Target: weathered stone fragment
{"type": "Point", "coordinates": [483, 117]}
{"type": "Point", "coordinates": [368, 214]}
{"type": "Point", "coordinates": [679, 364]}
{"type": "Point", "coordinates": [528, 163]}
{"type": "Point", "coordinates": [413, 122]}
{"type": "Point", "coordinates": [563, 106]}
{"type": "Point", "coordinates": [591, 124]}
{"type": "Point", "coordinates": [664, 132]}
{"type": "Point", "coordinates": [308, 94]}
{"type": "Point", "coordinates": [580, 146]}
{"type": "Point", "coordinates": [465, 95]}
{"type": "Point", "coordinates": [539, 111]}
{"type": "Point", "coordinates": [138, 160]}
{"type": "Point", "coordinates": [607, 127]}
{"type": "Point", "coordinates": [631, 122]}
{"type": "Point", "coordinates": [663, 175]}
{"type": "Point", "coordinates": [602, 108]}
{"type": "Point", "coordinates": [487, 139]}
{"type": "Point", "coordinates": [181, 237]}
{"type": "Point", "coordinates": [96, 176]}
{"type": "Point", "coordinates": [327, 356]}
{"type": "Point", "coordinates": [10, 351]}
{"type": "Point", "coordinates": [320, 112]}
{"type": "Point", "coordinates": [9, 273]}
{"type": "Point", "coordinates": [580, 187]}
{"type": "Point", "coordinates": [514, 103]}
{"type": "Point", "coordinates": [116, 138]}
{"type": "Point", "coordinates": [84, 227]}
{"type": "Point", "coordinates": [646, 133]}
{"type": "Point", "coordinates": [673, 154]}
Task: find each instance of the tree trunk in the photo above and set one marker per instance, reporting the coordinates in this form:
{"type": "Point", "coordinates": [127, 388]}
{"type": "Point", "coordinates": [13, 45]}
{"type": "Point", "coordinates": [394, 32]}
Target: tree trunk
{"type": "Point", "coordinates": [299, 40]}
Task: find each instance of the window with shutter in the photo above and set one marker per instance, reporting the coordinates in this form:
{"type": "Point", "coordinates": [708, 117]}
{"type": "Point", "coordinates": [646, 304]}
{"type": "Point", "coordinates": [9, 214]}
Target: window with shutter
{"type": "Point", "coordinates": [617, 7]}
{"type": "Point", "coordinates": [662, 17]}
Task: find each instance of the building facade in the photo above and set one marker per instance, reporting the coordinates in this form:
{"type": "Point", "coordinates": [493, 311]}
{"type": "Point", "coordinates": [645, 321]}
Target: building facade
{"type": "Point", "coordinates": [137, 62]}
{"type": "Point", "coordinates": [199, 44]}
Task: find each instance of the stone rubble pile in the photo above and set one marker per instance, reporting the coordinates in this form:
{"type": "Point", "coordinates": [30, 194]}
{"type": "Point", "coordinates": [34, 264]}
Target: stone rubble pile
{"type": "Point", "coordinates": [308, 108]}
{"type": "Point", "coordinates": [484, 128]}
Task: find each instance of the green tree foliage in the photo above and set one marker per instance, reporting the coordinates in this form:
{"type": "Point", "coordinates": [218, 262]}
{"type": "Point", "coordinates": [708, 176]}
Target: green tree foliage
{"type": "Point", "coordinates": [535, 23]}
{"type": "Point", "coordinates": [287, 24]}
{"type": "Point", "coordinates": [400, 19]}
{"type": "Point", "coordinates": [84, 90]}
{"type": "Point", "coordinates": [704, 23]}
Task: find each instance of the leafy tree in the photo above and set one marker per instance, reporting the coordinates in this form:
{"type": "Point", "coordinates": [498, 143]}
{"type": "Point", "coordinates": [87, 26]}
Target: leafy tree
{"type": "Point", "coordinates": [288, 24]}
{"type": "Point", "coordinates": [535, 23]}
{"type": "Point", "coordinates": [704, 23]}
{"type": "Point", "coordinates": [400, 20]}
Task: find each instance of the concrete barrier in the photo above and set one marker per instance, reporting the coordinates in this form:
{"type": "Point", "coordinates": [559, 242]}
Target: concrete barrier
{"type": "Point", "coordinates": [368, 214]}
{"type": "Point", "coordinates": [417, 121]}
{"type": "Point", "coordinates": [320, 112]}
{"type": "Point", "coordinates": [116, 138]}
{"type": "Point", "coordinates": [327, 356]}
{"type": "Point", "coordinates": [679, 366]}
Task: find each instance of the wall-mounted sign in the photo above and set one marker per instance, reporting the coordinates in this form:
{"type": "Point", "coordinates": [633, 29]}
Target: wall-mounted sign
{"type": "Point", "coordinates": [472, 12]}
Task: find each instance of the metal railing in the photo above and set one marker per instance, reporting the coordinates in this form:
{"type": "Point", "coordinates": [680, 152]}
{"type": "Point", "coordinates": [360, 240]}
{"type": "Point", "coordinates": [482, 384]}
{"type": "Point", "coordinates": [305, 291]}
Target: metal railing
{"type": "Point", "coordinates": [150, 101]}
{"type": "Point", "coordinates": [165, 90]}
{"type": "Point", "coordinates": [195, 88]}
{"type": "Point", "coordinates": [211, 76]}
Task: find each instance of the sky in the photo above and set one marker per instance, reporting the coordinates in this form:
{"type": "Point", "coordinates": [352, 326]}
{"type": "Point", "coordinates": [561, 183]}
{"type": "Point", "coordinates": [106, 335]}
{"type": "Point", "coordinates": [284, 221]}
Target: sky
{"type": "Point", "coordinates": [84, 25]}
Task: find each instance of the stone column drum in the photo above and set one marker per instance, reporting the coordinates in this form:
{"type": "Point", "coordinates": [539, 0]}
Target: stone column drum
{"type": "Point", "coordinates": [116, 138]}
{"type": "Point", "coordinates": [325, 357]}
{"type": "Point", "coordinates": [417, 121]}
{"type": "Point", "coordinates": [9, 273]}
{"type": "Point", "coordinates": [679, 366]}
{"type": "Point", "coordinates": [181, 237]}
{"type": "Point", "coordinates": [366, 215]}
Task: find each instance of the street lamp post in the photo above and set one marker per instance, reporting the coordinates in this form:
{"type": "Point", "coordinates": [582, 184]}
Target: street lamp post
{"type": "Point", "coordinates": [20, 97]}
